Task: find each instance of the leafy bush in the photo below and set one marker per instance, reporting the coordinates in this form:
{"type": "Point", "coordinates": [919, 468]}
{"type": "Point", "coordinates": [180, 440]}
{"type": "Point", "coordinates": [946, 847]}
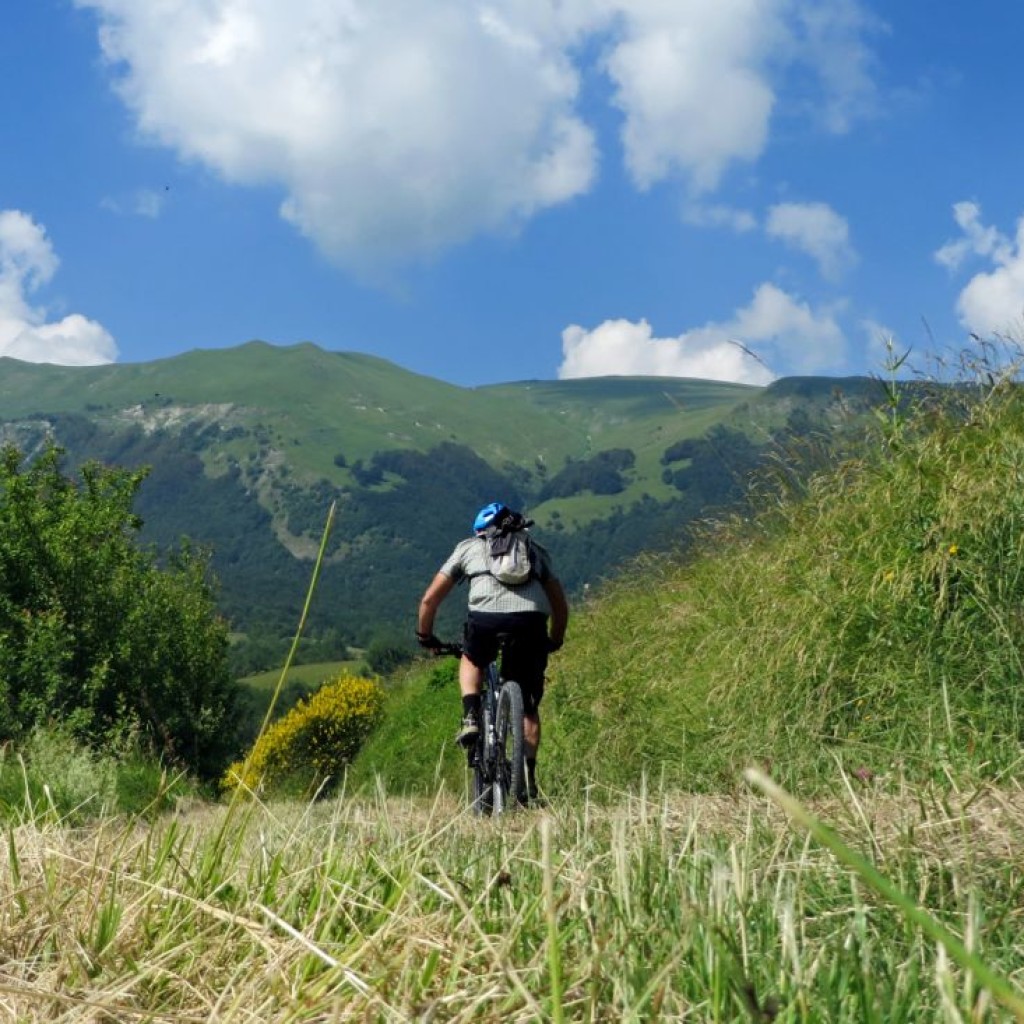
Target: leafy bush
{"type": "Point", "coordinates": [311, 746]}
{"type": "Point", "coordinates": [53, 773]}
{"type": "Point", "coordinates": [387, 652]}
{"type": "Point", "coordinates": [93, 632]}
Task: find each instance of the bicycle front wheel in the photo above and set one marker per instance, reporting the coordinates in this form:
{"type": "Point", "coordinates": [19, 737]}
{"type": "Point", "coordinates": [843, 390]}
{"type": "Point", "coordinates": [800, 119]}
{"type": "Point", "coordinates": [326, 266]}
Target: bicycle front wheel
{"type": "Point", "coordinates": [510, 774]}
{"type": "Point", "coordinates": [482, 800]}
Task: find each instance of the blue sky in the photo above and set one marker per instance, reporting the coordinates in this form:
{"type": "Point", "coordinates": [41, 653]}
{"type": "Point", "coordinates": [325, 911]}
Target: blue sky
{"type": "Point", "coordinates": [731, 189]}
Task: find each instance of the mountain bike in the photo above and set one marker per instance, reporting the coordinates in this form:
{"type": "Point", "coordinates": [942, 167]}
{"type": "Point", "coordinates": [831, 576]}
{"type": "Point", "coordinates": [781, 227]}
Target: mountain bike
{"type": "Point", "coordinates": [498, 757]}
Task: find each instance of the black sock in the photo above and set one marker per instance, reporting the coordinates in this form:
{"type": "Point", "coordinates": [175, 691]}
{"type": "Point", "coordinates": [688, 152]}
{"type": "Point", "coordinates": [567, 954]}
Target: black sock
{"type": "Point", "coordinates": [471, 705]}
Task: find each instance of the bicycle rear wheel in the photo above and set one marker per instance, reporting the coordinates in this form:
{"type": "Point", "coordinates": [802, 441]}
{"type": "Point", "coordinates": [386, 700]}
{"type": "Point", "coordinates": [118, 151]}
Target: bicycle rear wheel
{"type": "Point", "coordinates": [510, 766]}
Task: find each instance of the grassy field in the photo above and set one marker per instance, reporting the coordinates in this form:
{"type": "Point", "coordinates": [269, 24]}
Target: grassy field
{"type": "Point", "coordinates": [859, 641]}
{"type": "Point", "coordinates": [309, 677]}
{"type": "Point", "coordinates": [650, 906]}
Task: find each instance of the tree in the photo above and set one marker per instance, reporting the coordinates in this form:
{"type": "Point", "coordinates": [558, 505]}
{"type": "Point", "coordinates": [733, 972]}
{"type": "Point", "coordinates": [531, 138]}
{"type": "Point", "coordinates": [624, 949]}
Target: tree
{"type": "Point", "coordinates": [93, 632]}
{"type": "Point", "coordinates": [387, 652]}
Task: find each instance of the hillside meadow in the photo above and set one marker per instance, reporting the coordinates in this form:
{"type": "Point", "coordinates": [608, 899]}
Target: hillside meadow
{"type": "Point", "coordinates": [856, 640]}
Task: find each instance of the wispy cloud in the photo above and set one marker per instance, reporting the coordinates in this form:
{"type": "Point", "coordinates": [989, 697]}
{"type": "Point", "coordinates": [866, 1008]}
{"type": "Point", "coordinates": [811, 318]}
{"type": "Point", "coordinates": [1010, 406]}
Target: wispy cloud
{"type": "Point", "coordinates": [143, 202]}
{"type": "Point", "coordinates": [816, 229]}
{"type": "Point", "coordinates": [718, 215]}
{"type": "Point", "coordinates": [977, 239]}
{"type": "Point", "coordinates": [27, 262]}
{"type": "Point", "coordinates": [833, 41]}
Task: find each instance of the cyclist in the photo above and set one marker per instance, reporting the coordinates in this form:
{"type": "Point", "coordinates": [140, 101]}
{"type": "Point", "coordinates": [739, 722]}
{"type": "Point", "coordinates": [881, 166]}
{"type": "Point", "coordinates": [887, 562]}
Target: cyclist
{"type": "Point", "coordinates": [526, 621]}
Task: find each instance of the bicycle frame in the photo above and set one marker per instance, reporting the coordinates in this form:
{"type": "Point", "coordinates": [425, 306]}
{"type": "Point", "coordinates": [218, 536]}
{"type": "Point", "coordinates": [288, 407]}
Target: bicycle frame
{"type": "Point", "coordinates": [499, 775]}
{"type": "Point", "coordinates": [489, 793]}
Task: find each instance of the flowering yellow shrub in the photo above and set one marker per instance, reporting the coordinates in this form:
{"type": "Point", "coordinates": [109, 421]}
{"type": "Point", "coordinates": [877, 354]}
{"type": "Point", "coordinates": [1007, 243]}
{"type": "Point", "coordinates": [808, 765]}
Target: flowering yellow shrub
{"type": "Point", "coordinates": [314, 742]}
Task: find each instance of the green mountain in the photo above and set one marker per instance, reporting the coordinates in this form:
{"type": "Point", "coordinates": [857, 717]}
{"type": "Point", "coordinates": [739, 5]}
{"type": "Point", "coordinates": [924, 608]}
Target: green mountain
{"type": "Point", "coordinates": [248, 448]}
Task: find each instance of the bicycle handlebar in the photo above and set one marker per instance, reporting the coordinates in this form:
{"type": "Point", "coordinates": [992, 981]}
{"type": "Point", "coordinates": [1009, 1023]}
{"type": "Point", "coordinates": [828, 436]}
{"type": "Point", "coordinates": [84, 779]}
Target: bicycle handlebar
{"type": "Point", "coordinates": [455, 650]}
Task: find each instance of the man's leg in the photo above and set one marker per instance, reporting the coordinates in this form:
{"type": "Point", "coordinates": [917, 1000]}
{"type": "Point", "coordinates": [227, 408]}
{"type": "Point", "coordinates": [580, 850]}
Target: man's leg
{"type": "Point", "coordinates": [531, 734]}
{"type": "Point", "coordinates": [470, 680]}
{"type": "Point", "coordinates": [470, 677]}
{"type": "Point", "coordinates": [525, 658]}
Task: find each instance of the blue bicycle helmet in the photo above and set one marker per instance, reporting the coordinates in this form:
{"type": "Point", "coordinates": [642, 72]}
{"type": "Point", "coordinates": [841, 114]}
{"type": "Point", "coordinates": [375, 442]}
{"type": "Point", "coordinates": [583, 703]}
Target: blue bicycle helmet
{"type": "Point", "coordinates": [487, 515]}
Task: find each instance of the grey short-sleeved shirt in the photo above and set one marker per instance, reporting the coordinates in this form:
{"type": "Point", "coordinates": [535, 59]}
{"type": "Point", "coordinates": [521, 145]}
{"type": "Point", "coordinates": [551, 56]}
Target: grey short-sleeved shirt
{"type": "Point", "coordinates": [486, 594]}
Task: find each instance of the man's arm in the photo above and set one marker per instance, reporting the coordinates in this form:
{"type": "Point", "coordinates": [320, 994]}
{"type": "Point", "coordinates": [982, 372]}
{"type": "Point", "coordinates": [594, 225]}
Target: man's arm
{"type": "Point", "coordinates": [440, 587]}
{"type": "Point", "coordinates": [559, 610]}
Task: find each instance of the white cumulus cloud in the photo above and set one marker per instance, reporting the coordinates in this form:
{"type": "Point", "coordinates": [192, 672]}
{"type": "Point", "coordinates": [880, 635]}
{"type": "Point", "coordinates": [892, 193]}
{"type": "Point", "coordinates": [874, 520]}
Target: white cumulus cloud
{"type": "Point", "coordinates": [814, 228]}
{"type": "Point", "coordinates": [670, 62]}
{"type": "Point", "coordinates": [27, 262]}
{"type": "Point", "coordinates": [395, 128]}
{"type": "Point", "coordinates": [629, 349]}
{"type": "Point", "coordinates": [992, 302]}
{"type": "Point", "coordinates": [775, 330]}
{"type": "Point", "coordinates": [699, 80]}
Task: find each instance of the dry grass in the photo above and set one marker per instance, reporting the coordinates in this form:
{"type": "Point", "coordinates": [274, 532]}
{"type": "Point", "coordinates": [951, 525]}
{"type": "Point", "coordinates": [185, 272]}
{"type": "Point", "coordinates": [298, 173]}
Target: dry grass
{"type": "Point", "coordinates": [658, 905]}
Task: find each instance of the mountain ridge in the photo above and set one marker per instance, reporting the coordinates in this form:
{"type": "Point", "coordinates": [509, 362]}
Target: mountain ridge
{"type": "Point", "coordinates": [249, 446]}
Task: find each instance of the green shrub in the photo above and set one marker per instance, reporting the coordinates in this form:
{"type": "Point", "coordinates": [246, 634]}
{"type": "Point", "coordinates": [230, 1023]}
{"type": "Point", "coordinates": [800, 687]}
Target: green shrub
{"type": "Point", "coordinates": [94, 632]}
{"type": "Point", "coordinates": [71, 776]}
{"type": "Point", "coordinates": [310, 747]}
{"type": "Point", "coordinates": [53, 773]}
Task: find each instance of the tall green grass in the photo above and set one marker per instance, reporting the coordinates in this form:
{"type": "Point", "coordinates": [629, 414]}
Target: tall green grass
{"type": "Point", "coordinates": [873, 618]}
{"type": "Point", "coordinates": [52, 776]}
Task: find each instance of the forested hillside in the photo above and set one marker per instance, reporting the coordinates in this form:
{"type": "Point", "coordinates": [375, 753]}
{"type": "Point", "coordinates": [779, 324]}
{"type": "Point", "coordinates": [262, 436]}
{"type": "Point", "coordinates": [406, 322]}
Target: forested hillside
{"type": "Point", "coordinates": [247, 449]}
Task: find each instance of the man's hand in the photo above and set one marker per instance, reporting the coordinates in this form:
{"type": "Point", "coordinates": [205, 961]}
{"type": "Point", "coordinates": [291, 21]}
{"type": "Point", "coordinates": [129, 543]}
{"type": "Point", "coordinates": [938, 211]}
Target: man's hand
{"type": "Point", "coordinates": [554, 645]}
{"type": "Point", "coordinates": [428, 641]}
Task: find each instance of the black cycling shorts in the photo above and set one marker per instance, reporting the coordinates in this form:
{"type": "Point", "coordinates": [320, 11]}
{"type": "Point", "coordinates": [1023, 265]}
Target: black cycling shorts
{"type": "Point", "coordinates": [521, 638]}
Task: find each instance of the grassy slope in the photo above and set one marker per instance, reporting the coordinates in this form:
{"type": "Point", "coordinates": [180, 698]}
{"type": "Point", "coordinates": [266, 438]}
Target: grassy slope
{"type": "Point", "coordinates": [305, 391]}
{"type": "Point", "coordinates": [645, 415]}
{"type": "Point", "coordinates": [328, 401]}
{"type": "Point", "coordinates": [416, 750]}
{"type": "Point", "coordinates": [872, 621]}
{"type": "Point", "coordinates": [309, 677]}
{"type": "Point", "coordinates": [875, 622]}
{"type": "Point", "coordinates": [312, 405]}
